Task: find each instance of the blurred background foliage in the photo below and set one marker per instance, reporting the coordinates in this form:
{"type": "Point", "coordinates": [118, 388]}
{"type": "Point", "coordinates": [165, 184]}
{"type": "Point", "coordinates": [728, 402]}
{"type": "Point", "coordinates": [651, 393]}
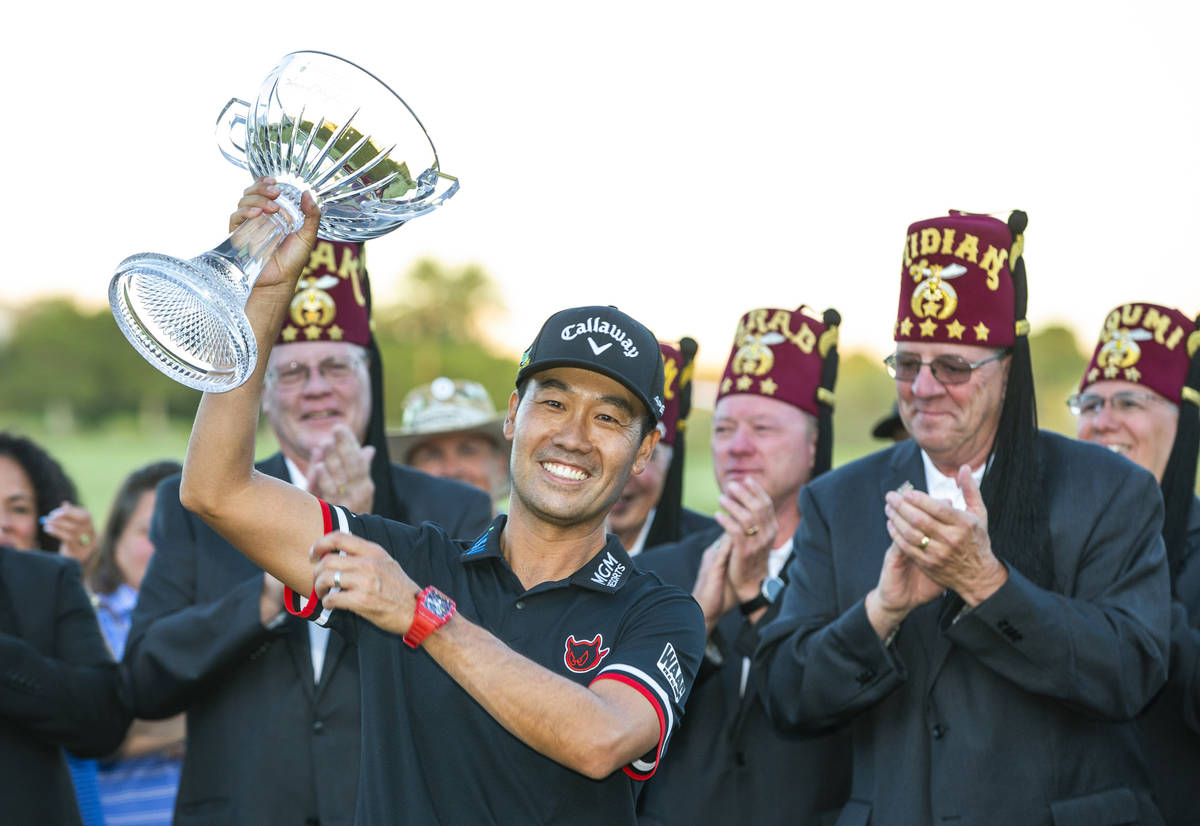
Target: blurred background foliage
{"type": "Point", "coordinates": [71, 382]}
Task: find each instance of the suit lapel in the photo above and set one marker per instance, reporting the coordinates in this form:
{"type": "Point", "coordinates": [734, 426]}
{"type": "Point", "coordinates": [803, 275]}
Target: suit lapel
{"type": "Point", "coordinates": [296, 638]}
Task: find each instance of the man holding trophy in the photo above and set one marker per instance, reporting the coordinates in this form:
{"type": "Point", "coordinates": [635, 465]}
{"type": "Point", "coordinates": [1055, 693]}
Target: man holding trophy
{"type": "Point", "coordinates": [553, 673]}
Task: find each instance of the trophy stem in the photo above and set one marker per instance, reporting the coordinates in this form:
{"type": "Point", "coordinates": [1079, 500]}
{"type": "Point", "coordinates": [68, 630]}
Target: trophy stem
{"type": "Point", "coordinates": [240, 258]}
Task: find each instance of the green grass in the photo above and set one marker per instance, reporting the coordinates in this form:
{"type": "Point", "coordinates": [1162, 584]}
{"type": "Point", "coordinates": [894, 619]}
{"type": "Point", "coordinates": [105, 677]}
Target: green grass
{"type": "Point", "coordinates": [98, 460]}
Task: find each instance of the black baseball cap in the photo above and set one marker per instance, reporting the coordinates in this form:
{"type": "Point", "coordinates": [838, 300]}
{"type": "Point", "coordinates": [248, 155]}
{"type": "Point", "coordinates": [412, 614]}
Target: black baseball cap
{"type": "Point", "coordinates": [603, 340]}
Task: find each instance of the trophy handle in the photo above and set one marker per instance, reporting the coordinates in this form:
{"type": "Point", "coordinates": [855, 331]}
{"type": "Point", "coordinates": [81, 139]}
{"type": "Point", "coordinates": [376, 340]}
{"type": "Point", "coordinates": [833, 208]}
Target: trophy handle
{"type": "Point", "coordinates": [231, 125]}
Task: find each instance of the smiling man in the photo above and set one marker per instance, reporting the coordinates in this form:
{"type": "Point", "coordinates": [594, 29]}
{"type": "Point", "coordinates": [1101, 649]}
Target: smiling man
{"type": "Point", "coordinates": [532, 676]}
{"type": "Point", "coordinates": [1139, 397]}
{"type": "Point", "coordinates": [985, 606]}
{"type": "Point", "coordinates": [772, 434]}
{"type": "Point", "coordinates": [209, 634]}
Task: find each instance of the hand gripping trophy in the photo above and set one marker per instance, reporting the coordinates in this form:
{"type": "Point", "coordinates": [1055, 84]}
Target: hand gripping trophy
{"type": "Point", "coordinates": [319, 123]}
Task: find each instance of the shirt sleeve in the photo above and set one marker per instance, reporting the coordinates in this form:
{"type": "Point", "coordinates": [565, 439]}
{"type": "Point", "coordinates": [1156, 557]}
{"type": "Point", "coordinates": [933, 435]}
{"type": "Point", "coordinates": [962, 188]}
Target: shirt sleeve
{"type": "Point", "coordinates": [659, 654]}
{"type": "Point", "coordinates": [405, 543]}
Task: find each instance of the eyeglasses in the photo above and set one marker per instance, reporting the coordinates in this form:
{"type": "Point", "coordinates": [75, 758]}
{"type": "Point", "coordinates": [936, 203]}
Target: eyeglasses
{"type": "Point", "coordinates": [1123, 403]}
{"type": "Point", "coordinates": [946, 369]}
{"type": "Point", "coordinates": [296, 374]}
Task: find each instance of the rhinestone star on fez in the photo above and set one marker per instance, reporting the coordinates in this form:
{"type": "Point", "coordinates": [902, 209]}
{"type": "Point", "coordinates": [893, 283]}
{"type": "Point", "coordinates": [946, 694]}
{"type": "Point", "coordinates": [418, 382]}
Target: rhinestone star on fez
{"type": "Point", "coordinates": [768, 386]}
{"type": "Point", "coordinates": [744, 382]}
{"type": "Point", "coordinates": [312, 332]}
{"type": "Point", "coordinates": [336, 333]}
{"type": "Point", "coordinates": [981, 331]}
{"type": "Point", "coordinates": [906, 326]}
{"type": "Point", "coordinates": [290, 333]}
{"type": "Point", "coordinates": [955, 330]}
{"type": "Point", "coordinates": [1093, 374]}
{"type": "Point", "coordinates": [725, 385]}
{"type": "Point", "coordinates": [1111, 371]}
{"type": "Point", "coordinates": [928, 328]}
{"type": "Point", "coordinates": [1132, 374]}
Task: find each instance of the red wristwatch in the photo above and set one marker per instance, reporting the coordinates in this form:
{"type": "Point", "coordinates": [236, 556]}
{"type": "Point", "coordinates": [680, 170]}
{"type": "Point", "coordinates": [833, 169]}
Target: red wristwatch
{"type": "Point", "coordinates": [434, 609]}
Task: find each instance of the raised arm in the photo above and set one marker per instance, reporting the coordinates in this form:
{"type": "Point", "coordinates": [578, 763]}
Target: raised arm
{"type": "Point", "coordinates": [270, 521]}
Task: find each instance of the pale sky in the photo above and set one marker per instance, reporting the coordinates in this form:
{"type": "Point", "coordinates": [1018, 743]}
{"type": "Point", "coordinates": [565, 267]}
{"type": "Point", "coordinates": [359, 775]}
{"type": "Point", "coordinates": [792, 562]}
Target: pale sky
{"type": "Point", "coordinates": [685, 161]}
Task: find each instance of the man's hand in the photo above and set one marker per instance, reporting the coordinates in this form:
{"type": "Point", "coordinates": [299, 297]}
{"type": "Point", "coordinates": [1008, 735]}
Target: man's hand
{"type": "Point", "coordinates": [902, 587]}
{"type": "Point", "coordinates": [340, 473]}
{"type": "Point", "coordinates": [951, 546]}
{"type": "Point", "coordinates": [270, 600]}
{"type": "Point", "coordinates": [73, 527]}
{"type": "Point", "coordinates": [354, 574]}
{"type": "Point", "coordinates": [750, 524]}
{"type": "Point", "coordinates": [292, 255]}
{"type": "Point", "coordinates": [712, 589]}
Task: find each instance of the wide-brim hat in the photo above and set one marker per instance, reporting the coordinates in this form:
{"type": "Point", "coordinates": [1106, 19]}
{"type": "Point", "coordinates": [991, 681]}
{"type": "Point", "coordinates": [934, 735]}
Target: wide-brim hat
{"type": "Point", "coordinates": [442, 407]}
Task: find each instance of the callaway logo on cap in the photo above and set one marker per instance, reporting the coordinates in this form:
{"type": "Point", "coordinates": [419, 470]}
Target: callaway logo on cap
{"type": "Point", "coordinates": [604, 340]}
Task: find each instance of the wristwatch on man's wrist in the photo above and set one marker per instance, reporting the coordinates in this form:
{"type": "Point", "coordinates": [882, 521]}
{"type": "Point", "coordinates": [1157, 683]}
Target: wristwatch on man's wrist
{"type": "Point", "coordinates": [434, 609]}
{"type": "Point", "coordinates": [771, 586]}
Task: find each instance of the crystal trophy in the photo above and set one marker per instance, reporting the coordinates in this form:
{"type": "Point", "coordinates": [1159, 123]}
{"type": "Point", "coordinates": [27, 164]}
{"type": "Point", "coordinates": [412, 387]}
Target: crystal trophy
{"type": "Point", "coordinates": [322, 123]}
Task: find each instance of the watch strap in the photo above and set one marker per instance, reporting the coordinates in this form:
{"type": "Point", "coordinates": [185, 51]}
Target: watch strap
{"type": "Point", "coordinates": [425, 622]}
{"type": "Point", "coordinates": [751, 605]}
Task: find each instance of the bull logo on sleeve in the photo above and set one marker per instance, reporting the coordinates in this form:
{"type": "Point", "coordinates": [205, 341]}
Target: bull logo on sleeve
{"type": "Point", "coordinates": [582, 656]}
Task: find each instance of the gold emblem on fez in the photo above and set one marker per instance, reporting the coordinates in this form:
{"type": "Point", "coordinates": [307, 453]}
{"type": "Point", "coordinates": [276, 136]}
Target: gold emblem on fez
{"type": "Point", "coordinates": [312, 305]}
{"type": "Point", "coordinates": [933, 297]}
{"type": "Point", "coordinates": [754, 355]}
{"type": "Point", "coordinates": [1120, 348]}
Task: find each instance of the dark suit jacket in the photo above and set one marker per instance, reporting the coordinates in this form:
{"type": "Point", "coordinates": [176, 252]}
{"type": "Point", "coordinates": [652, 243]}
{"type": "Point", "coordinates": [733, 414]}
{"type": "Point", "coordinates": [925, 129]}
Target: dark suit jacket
{"type": "Point", "coordinates": [1020, 712]}
{"type": "Point", "coordinates": [727, 763]}
{"type": "Point", "coordinates": [1170, 725]}
{"type": "Point", "coordinates": [58, 687]}
{"type": "Point", "coordinates": [265, 745]}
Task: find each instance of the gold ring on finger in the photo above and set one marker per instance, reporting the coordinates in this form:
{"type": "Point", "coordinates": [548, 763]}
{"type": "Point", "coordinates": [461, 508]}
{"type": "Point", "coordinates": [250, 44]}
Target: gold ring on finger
{"type": "Point", "coordinates": [924, 542]}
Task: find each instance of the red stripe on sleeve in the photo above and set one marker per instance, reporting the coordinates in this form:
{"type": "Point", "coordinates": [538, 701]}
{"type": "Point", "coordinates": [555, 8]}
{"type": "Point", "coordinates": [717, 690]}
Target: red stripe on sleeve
{"type": "Point", "coordinates": [290, 600]}
{"type": "Point", "coordinates": [662, 720]}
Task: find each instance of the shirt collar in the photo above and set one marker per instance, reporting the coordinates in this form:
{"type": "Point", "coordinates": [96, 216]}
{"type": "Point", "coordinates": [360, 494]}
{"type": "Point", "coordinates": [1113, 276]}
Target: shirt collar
{"type": "Point", "coordinates": [640, 543]}
{"type": "Point", "coordinates": [941, 486]}
{"type": "Point", "coordinates": [296, 477]}
{"type": "Point", "coordinates": [607, 571]}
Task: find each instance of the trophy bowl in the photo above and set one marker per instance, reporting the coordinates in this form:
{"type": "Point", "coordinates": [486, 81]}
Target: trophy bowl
{"type": "Point", "coordinates": [319, 122]}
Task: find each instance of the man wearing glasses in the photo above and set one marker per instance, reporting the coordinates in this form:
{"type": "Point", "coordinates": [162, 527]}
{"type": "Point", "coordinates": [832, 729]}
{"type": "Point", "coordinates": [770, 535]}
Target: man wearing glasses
{"type": "Point", "coordinates": [272, 701]}
{"type": "Point", "coordinates": [1139, 397]}
{"type": "Point", "coordinates": [985, 606]}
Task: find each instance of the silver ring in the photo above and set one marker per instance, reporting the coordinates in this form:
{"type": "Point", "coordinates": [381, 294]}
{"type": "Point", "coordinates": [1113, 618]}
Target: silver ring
{"type": "Point", "coordinates": [924, 542]}
{"type": "Point", "coordinates": [337, 580]}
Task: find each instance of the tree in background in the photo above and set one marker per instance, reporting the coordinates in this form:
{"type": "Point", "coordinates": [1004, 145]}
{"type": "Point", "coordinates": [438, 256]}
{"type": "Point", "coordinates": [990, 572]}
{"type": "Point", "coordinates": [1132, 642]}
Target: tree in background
{"type": "Point", "coordinates": [438, 330]}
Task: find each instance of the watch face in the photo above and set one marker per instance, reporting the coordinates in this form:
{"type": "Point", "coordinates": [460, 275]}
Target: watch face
{"type": "Point", "coordinates": [437, 604]}
{"type": "Point", "coordinates": [771, 588]}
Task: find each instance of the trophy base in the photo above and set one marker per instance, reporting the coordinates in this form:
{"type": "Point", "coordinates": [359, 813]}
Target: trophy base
{"type": "Point", "coordinates": [185, 319]}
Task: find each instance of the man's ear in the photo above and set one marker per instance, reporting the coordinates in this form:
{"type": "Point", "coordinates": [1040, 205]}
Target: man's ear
{"type": "Point", "coordinates": [510, 417]}
{"type": "Point", "coordinates": [645, 450]}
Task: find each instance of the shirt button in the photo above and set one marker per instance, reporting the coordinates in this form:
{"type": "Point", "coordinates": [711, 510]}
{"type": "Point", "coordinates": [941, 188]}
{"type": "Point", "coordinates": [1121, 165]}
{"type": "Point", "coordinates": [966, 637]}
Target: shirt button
{"type": "Point", "coordinates": [520, 605]}
{"type": "Point", "coordinates": [939, 731]}
{"type": "Point", "coordinates": [318, 727]}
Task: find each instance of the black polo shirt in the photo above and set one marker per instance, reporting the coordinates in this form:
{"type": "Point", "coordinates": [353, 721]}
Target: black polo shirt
{"type": "Point", "coordinates": [431, 754]}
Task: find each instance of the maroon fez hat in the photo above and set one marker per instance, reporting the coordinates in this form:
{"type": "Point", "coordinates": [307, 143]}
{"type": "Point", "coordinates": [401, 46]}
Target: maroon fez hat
{"type": "Point", "coordinates": [677, 379]}
{"type": "Point", "coordinates": [956, 282]}
{"type": "Point", "coordinates": [330, 303]}
{"type": "Point", "coordinates": [1146, 344]}
{"type": "Point", "coordinates": [778, 354]}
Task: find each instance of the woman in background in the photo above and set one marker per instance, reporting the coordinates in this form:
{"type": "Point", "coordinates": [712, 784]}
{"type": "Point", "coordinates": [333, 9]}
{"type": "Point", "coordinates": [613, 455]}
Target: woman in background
{"type": "Point", "coordinates": [137, 784]}
{"type": "Point", "coordinates": [61, 650]}
{"type": "Point", "coordinates": [38, 503]}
